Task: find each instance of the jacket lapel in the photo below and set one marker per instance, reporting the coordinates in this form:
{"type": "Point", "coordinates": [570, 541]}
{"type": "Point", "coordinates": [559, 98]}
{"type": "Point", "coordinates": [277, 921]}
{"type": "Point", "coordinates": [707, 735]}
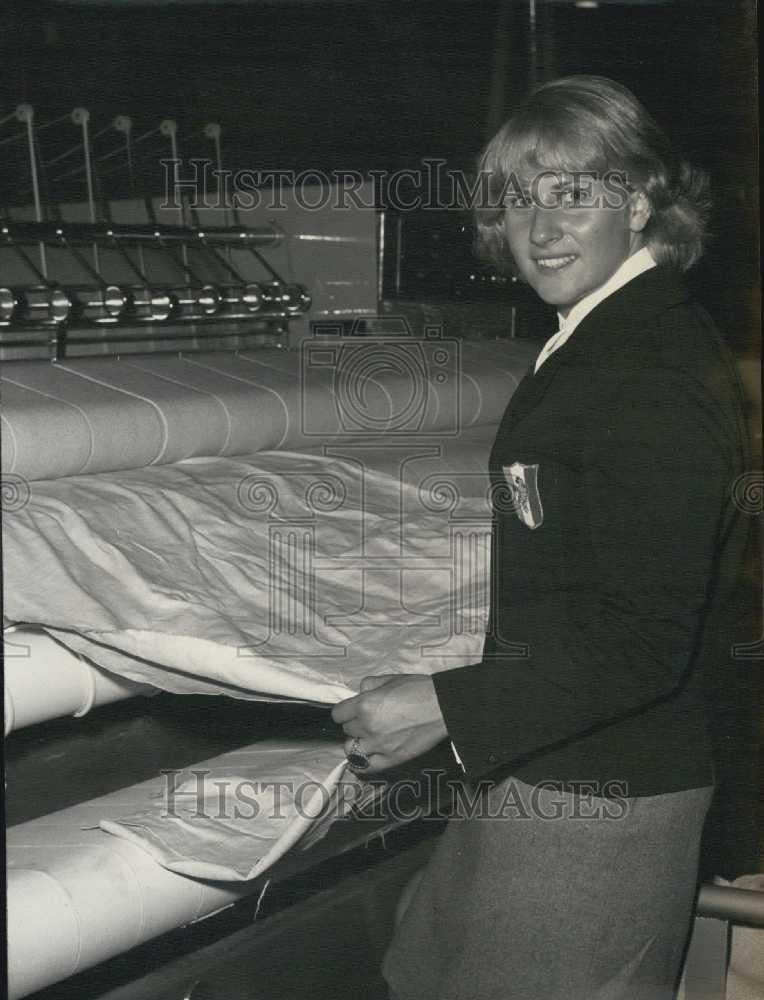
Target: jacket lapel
{"type": "Point", "coordinates": [595, 339]}
{"type": "Point", "coordinates": [532, 389]}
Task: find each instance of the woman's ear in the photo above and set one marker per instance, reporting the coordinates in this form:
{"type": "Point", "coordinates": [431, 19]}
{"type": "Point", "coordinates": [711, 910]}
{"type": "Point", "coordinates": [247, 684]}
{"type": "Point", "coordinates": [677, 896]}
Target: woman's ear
{"type": "Point", "coordinates": [639, 211]}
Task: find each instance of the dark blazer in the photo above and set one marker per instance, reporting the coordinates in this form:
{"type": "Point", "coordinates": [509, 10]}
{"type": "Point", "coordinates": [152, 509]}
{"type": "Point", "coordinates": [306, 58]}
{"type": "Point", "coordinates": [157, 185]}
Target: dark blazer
{"type": "Point", "coordinates": [616, 548]}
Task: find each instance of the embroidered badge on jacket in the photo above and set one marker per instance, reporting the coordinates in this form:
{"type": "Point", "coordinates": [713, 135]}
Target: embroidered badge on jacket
{"type": "Point", "coordinates": [523, 482]}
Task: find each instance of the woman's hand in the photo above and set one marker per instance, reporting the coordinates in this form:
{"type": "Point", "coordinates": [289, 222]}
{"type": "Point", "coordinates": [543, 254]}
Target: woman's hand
{"type": "Point", "coordinates": [396, 717]}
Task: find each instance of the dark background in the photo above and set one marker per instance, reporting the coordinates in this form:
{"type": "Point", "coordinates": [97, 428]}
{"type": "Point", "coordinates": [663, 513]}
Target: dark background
{"type": "Point", "coordinates": [363, 85]}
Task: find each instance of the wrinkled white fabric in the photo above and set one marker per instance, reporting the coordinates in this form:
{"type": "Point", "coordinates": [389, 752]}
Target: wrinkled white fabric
{"type": "Point", "coordinates": [280, 575]}
{"type": "Point", "coordinates": [231, 819]}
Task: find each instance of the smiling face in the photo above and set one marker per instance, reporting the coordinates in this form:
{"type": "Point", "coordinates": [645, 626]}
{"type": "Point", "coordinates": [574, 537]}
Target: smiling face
{"type": "Point", "coordinates": [568, 238]}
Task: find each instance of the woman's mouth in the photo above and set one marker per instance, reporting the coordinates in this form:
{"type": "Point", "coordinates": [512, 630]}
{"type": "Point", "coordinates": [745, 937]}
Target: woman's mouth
{"type": "Point", "coordinates": [554, 263]}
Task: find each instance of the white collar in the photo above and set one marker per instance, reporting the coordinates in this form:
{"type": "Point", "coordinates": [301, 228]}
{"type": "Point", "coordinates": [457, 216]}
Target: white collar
{"type": "Point", "coordinates": [639, 262]}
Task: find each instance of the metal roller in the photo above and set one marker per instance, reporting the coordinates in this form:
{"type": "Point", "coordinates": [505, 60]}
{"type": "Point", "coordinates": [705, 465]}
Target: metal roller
{"type": "Point", "coordinates": [199, 284]}
{"type": "Point", "coordinates": [296, 299]}
{"type": "Point", "coordinates": [273, 294]}
{"type": "Point", "coordinates": [286, 298]}
{"type": "Point", "coordinates": [45, 304]}
{"type": "Point", "coordinates": [208, 299]}
{"type": "Point", "coordinates": [153, 304]}
{"type": "Point", "coordinates": [252, 297]}
{"type": "Point", "coordinates": [107, 304]}
{"type": "Point", "coordinates": [163, 305]}
{"type": "Point", "coordinates": [11, 305]}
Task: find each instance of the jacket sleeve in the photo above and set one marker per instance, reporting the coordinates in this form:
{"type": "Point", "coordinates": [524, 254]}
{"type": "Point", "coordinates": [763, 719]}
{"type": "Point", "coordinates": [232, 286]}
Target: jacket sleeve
{"type": "Point", "coordinates": [654, 481]}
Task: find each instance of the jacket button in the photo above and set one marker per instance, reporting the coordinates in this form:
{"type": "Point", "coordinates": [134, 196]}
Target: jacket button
{"type": "Point", "coordinates": [492, 758]}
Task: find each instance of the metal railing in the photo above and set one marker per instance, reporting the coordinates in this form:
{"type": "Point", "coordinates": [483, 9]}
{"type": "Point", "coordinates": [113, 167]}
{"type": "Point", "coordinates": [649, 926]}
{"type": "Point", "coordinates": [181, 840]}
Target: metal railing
{"type": "Point", "coordinates": [64, 287]}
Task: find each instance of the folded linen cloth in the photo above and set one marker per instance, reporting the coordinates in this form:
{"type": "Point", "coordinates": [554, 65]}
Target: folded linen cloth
{"type": "Point", "coordinates": [233, 818]}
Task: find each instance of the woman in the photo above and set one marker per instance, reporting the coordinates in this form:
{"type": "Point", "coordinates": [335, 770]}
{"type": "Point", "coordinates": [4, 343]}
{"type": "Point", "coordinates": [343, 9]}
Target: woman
{"type": "Point", "coordinates": [611, 566]}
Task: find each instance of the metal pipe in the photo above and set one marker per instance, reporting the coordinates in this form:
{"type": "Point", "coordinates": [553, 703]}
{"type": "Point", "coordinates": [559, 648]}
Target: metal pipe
{"type": "Point", "coordinates": [739, 906]}
{"type": "Point", "coordinates": [124, 124]}
{"type": "Point", "coordinates": [213, 131]}
{"type": "Point", "coordinates": [45, 680]}
{"type": "Point", "coordinates": [251, 294]}
{"type": "Point", "coordinates": [25, 113]}
{"type": "Point", "coordinates": [33, 232]}
{"type": "Point", "coordinates": [533, 47]}
{"type": "Point", "coordinates": [153, 304]}
{"type": "Point", "coordinates": [81, 116]}
{"type": "Point", "coordinates": [47, 298]}
{"type": "Point", "coordinates": [112, 302]}
{"type": "Point", "coordinates": [43, 304]}
{"type": "Point", "coordinates": [261, 260]}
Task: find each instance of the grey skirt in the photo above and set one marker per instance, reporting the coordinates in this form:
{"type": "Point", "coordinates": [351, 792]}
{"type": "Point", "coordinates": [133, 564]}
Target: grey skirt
{"type": "Point", "coordinates": [544, 895]}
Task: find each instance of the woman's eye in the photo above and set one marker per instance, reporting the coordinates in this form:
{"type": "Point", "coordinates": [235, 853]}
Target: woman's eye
{"type": "Point", "coordinates": [570, 198]}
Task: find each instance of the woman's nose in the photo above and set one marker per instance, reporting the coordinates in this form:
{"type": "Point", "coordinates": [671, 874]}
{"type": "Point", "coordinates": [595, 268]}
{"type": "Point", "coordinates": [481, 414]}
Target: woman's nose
{"type": "Point", "coordinates": [545, 226]}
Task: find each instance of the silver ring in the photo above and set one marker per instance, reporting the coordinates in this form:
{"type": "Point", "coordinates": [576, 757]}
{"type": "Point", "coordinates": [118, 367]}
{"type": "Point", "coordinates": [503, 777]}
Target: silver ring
{"type": "Point", "coordinates": [357, 758]}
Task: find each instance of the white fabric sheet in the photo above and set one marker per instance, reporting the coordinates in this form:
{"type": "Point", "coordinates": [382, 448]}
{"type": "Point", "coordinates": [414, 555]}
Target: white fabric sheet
{"type": "Point", "coordinates": [280, 575]}
{"type": "Point", "coordinates": [231, 819]}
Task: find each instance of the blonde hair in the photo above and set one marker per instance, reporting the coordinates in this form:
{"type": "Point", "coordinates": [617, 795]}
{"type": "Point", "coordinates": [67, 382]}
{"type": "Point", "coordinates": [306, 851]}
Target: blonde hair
{"type": "Point", "coordinates": [592, 124]}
